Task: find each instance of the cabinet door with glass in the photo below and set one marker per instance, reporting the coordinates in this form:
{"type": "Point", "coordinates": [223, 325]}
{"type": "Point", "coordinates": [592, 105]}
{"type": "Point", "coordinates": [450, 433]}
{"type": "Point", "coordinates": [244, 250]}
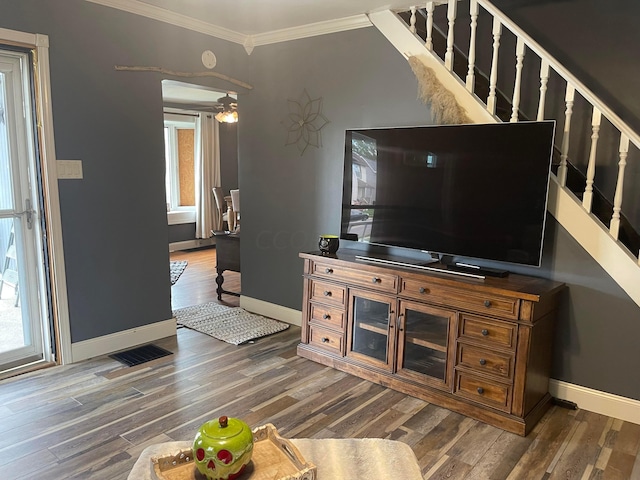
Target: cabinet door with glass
{"type": "Point", "coordinates": [371, 328]}
{"type": "Point", "coordinates": [426, 344]}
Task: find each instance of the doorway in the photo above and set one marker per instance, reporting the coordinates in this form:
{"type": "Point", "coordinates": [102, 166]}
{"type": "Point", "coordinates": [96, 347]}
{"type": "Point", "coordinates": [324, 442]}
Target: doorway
{"type": "Point", "coordinates": [24, 291]}
{"type": "Point", "coordinates": [34, 319]}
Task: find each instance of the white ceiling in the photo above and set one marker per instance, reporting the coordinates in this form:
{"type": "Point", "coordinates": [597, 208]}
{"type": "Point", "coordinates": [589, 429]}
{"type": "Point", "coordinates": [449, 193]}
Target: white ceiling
{"type": "Point", "coordinates": [239, 19]}
{"type": "Point", "coordinates": [189, 94]}
{"type": "Point", "coordinates": [252, 17]}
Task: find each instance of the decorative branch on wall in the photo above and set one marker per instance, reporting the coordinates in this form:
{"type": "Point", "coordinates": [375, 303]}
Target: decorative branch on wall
{"type": "Point", "coordinates": [184, 74]}
{"type": "Point", "coordinates": [444, 107]}
{"type": "Point", "coordinates": [305, 122]}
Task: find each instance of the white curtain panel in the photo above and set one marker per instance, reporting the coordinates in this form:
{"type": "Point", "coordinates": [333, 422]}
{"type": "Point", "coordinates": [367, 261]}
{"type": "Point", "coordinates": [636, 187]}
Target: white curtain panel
{"type": "Point", "coordinates": [207, 168]}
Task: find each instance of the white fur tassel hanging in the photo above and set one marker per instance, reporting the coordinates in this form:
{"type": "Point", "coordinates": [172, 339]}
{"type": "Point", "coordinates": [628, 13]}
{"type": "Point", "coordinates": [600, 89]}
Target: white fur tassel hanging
{"type": "Point", "coordinates": [444, 107]}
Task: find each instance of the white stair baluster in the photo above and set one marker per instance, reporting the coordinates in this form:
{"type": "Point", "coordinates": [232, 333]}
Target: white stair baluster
{"type": "Point", "coordinates": [544, 79]}
{"type": "Point", "coordinates": [617, 199]}
{"type": "Point", "coordinates": [493, 78]}
{"type": "Point", "coordinates": [518, 82]}
{"type": "Point", "coordinates": [473, 10]}
{"type": "Point", "coordinates": [429, 40]}
{"type": "Point", "coordinates": [564, 149]}
{"type": "Point", "coordinates": [451, 17]}
{"type": "Point", "coordinates": [591, 168]}
{"type": "Point", "coordinates": [412, 20]}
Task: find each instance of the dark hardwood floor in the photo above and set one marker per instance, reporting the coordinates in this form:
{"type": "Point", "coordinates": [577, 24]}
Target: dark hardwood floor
{"type": "Point", "coordinates": [197, 285]}
{"type": "Point", "coordinates": [91, 420]}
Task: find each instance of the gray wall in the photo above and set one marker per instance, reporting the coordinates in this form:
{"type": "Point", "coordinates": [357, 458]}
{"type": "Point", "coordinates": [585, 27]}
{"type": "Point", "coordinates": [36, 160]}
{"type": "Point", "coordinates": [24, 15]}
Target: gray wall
{"type": "Point", "coordinates": [114, 221]}
{"type": "Point", "coordinates": [364, 82]}
{"type": "Point", "coordinates": [598, 42]}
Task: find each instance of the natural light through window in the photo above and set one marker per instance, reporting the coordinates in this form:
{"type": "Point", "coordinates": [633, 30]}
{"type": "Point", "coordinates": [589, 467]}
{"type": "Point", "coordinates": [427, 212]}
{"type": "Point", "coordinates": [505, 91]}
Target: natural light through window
{"type": "Point", "coordinates": [179, 140]}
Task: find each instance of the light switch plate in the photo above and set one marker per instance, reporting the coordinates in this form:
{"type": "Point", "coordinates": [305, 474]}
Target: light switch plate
{"type": "Point", "coordinates": [69, 169]}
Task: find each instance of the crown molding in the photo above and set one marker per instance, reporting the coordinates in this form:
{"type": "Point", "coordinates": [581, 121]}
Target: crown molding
{"type": "Point", "coordinates": [249, 42]}
{"type": "Point", "coordinates": [312, 30]}
{"type": "Point", "coordinates": [173, 18]}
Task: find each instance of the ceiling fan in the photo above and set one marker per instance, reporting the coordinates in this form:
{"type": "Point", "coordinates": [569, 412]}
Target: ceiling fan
{"type": "Point", "coordinates": [227, 109]}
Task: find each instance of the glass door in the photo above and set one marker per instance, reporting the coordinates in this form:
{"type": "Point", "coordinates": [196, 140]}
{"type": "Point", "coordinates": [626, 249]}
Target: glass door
{"type": "Point", "coordinates": [426, 344]}
{"type": "Point", "coordinates": [371, 332]}
{"type": "Point", "coordinates": [24, 333]}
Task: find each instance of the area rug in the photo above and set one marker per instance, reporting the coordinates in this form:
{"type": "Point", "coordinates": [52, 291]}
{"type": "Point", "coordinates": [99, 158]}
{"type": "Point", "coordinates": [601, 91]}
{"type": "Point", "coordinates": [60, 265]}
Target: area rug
{"type": "Point", "coordinates": [176, 268]}
{"type": "Point", "coordinates": [230, 324]}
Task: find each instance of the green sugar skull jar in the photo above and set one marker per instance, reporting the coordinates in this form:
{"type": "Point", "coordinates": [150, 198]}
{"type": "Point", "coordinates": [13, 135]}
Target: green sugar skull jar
{"type": "Point", "coordinates": [222, 448]}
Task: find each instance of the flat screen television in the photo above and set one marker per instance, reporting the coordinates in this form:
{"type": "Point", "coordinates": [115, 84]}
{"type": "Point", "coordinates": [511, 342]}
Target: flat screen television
{"type": "Point", "coordinates": [477, 191]}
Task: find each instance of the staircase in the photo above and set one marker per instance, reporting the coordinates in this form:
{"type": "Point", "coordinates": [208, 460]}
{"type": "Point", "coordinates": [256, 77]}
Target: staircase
{"type": "Point", "coordinates": [515, 80]}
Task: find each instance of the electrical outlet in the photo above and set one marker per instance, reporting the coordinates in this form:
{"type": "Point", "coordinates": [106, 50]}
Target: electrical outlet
{"type": "Point", "coordinates": [69, 169]}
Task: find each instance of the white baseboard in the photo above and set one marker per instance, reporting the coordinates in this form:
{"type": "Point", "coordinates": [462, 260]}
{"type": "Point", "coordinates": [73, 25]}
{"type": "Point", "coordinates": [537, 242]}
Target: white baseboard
{"type": "Point", "coordinates": [189, 244]}
{"type": "Point", "coordinates": [114, 342]}
{"type": "Point", "coordinates": [271, 310]}
{"type": "Point", "coordinates": [596, 401]}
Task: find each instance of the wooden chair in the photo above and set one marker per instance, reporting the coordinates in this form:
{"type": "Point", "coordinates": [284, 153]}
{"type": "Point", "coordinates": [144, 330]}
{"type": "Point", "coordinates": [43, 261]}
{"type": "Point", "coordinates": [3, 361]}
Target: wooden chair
{"type": "Point", "coordinates": [235, 202]}
{"type": "Point", "coordinates": [221, 206]}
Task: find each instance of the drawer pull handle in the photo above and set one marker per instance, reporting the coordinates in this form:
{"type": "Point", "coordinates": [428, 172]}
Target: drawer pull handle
{"type": "Point", "coordinates": [480, 390]}
{"type": "Point", "coordinates": [375, 280]}
{"type": "Point", "coordinates": [326, 316]}
{"type": "Point", "coordinates": [326, 293]}
{"type": "Point", "coordinates": [328, 270]}
{"type": "Point", "coordinates": [485, 332]}
{"type": "Point", "coordinates": [325, 340]}
{"type": "Point", "coordinates": [487, 303]}
{"type": "Point", "coordinates": [423, 290]}
{"type": "Point", "coordinates": [483, 361]}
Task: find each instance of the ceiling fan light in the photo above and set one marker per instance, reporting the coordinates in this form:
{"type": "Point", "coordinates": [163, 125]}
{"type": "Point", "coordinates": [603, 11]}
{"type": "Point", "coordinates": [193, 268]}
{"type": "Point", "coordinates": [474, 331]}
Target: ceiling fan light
{"type": "Point", "coordinates": [227, 116]}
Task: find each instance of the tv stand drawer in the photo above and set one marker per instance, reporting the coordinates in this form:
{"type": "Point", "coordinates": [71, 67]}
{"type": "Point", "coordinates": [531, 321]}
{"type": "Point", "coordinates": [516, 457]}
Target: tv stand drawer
{"type": "Point", "coordinates": [327, 316]}
{"type": "Point", "coordinates": [328, 293]}
{"type": "Point", "coordinates": [484, 391]}
{"type": "Point", "coordinates": [325, 339]}
{"type": "Point", "coordinates": [486, 304]}
{"type": "Point", "coordinates": [380, 281]}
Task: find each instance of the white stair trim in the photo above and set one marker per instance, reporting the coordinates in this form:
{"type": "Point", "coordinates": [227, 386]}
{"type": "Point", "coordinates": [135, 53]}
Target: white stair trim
{"type": "Point", "coordinates": [590, 233]}
{"type": "Point", "coordinates": [595, 239]}
{"type": "Point", "coordinates": [410, 45]}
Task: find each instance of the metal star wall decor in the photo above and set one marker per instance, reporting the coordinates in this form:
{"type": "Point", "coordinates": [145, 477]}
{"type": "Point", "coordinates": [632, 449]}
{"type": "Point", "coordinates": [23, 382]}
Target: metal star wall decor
{"type": "Point", "coordinates": [305, 122]}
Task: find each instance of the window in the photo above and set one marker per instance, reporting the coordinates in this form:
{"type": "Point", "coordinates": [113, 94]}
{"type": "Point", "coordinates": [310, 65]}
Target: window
{"type": "Point", "coordinates": [179, 141]}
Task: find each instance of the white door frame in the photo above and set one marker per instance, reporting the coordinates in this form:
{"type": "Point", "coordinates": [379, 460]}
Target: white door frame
{"type": "Point", "coordinates": [44, 115]}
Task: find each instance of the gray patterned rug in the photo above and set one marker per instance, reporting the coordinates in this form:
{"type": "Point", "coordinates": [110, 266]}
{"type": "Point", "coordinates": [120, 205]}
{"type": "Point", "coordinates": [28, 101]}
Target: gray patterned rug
{"type": "Point", "coordinates": [229, 324]}
{"type": "Point", "coordinates": [176, 268]}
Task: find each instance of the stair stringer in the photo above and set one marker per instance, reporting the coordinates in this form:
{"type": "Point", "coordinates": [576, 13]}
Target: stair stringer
{"type": "Point", "coordinates": [410, 45]}
{"type": "Point", "coordinates": [583, 226]}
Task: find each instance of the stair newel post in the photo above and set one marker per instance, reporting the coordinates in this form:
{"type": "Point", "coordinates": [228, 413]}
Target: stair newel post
{"type": "Point", "coordinates": [617, 199]}
{"type": "Point", "coordinates": [412, 20]}
{"type": "Point", "coordinates": [429, 39]}
{"type": "Point", "coordinates": [564, 149]}
{"type": "Point", "coordinates": [520, 49]}
{"type": "Point", "coordinates": [591, 168]}
{"type": "Point", "coordinates": [451, 17]}
{"type": "Point", "coordinates": [544, 79]}
{"type": "Point", "coordinates": [473, 11]}
{"type": "Point", "coordinates": [493, 78]}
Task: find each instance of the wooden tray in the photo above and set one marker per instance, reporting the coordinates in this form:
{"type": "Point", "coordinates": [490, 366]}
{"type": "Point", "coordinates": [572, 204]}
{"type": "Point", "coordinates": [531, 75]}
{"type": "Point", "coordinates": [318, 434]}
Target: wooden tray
{"type": "Point", "coordinates": [273, 458]}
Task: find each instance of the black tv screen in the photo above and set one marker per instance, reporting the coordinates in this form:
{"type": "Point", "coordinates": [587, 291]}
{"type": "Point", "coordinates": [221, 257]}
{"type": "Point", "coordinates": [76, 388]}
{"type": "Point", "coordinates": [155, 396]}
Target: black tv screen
{"type": "Point", "coordinates": [477, 190]}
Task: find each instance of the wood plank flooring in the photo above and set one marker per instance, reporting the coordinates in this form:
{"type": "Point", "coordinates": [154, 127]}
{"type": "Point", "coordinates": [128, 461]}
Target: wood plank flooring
{"type": "Point", "coordinates": [91, 420]}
